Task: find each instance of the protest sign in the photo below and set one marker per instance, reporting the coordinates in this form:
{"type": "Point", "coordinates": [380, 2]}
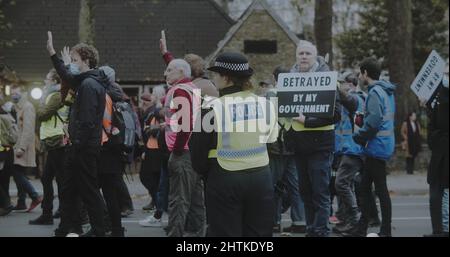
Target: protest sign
{"type": "Point", "coordinates": [429, 77]}
{"type": "Point", "coordinates": [311, 93]}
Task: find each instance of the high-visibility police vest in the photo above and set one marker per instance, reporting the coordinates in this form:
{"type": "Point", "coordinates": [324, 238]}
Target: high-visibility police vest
{"type": "Point", "coordinates": [345, 129]}
{"type": "Point", "coordinates": [383, 144]}
{"type": "Point", "coordinates": [245, 124]}
{"type": "Point", "coordinates": [54, 126]}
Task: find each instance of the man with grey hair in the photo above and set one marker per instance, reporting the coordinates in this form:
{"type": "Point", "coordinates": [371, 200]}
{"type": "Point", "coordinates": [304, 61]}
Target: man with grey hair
{"type": "Point", "coordinates": [186, 199]}
{"type": "Point", "coordinates": [312, 139]}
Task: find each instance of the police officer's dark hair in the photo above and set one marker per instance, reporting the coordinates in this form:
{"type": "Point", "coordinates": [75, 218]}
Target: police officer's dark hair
{"type": "Point", "coordinates": [278, 70]}
{"type": "Point", "coordinates": [243, 82]}
{"type": "Point", "coordinates": [372, 66]}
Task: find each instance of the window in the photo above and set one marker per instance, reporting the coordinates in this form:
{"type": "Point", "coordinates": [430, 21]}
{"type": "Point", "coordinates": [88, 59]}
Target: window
{"type": "Point", "coordinates": [260, 46]}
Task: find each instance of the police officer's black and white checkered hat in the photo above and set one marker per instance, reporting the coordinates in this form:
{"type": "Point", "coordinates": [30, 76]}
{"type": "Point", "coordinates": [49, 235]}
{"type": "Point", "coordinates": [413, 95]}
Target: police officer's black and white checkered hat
{"type": "Point", "coordinates": [234, 64]}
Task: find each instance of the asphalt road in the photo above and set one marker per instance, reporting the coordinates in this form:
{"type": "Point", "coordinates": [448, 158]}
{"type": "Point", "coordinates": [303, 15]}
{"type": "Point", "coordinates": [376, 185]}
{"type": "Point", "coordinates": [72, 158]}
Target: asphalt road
{"type": "Point", "coordinates": [410, 219]}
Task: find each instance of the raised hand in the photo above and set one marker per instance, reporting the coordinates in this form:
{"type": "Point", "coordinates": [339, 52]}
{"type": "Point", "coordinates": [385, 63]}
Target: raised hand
{"type": "Point", "coordinates": [50, 48]}
{"type": "Point", "coordinates": [65, 55]}
{"type": "Point", "coordinates": [163, 43]}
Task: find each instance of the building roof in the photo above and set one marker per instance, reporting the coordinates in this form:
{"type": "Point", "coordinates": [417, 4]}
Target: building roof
{"type": "Point", "coordinates": [127, 34]}
{"type": "Point", "coordinates": [255, 6]}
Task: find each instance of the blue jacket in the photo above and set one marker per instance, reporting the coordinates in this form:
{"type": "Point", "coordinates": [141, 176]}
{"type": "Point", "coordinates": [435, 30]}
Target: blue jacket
{"type": "Point", "coordinates": [345, 145]}
{"type": "Point", "coordinates": [377, 134]}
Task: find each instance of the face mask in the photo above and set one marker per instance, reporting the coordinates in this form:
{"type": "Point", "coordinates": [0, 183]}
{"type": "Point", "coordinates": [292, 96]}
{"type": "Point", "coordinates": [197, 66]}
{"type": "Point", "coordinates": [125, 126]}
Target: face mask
{"type": "Point", "coordinates": [445, 81]}
{"type": "Point", "coordinates": [74, 69]}
{"type": "Point", "coordinates": [16, 98]}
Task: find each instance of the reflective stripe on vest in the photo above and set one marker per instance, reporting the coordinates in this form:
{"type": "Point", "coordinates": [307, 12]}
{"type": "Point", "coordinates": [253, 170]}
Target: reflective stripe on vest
{"type": "Point", "coordinates": [53, 126]}
{"type": "Point", "coordinates": [238, 150]}
{"type": "Point", "coordinates": [345, 130]}
{"type": "Point", "coordinates": [383, 144]}
{"type": "Point", "coordinates": [107, 119]}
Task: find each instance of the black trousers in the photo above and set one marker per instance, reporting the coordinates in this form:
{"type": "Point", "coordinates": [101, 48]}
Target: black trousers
{"type": "Point", "coordinates": [80, 179]}
{"type": "Point", "coordinates": [5, 174]}
{"type": "Point", "coordinates": [53, 167]}
{"type": "Point", "coordinates": [375, 172]}
{"type": "Point", "coordinates": [109, 183]}
{"type": "Point", "coordinates": [436, 193]}
{"type": "Point", "coordinates": [124, 196]}
{"type": "Point", "coordinates": [151, 172]}
{"type": "Point", "coordinates": [410, 164]}
{"type": "Point", "coordinates": [240, 203]}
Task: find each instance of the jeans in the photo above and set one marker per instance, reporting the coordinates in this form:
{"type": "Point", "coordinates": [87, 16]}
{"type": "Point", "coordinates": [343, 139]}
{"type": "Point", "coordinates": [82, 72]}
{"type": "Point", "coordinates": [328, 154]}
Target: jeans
{"type": "Point", "coordinates": [314, 172]}
{"type": "Point", "coordinates": [445, 211]}
{"type": "Point", "coordinates": [375, 172]}
{"type": "Point", "coordinates": [162, 197]}
{"type": "Point", "coordinates": [345, 178]}
{"type": "Point", "coordinates": [284, 170]}
{"type": "Point", "coordinates": [24, 186]}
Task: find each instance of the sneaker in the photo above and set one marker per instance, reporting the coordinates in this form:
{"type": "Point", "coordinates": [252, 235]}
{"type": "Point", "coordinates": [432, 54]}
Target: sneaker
{"type": "Point", "coordinates": [35, 203]}
{"type": "Point", "coordinates": [42, 220]}
{"type": "Point", "coordinates": [126, 213]}
{"type": "Point", "coordinates": [20, 207]}
{"type": "Point", "coordinates": [151, 222]}
{"type": "Point", "coordinates": [295, 229]}
{"type": "Point", "coordinates": [343, 228]}
{"type": "Point", "coordinates": [6, 211]}
{"type": "Point", "coordinates": [148, 207]}
{"type": "Point", "coordinates": [333, 220]}
{"type": "Point", "coordinates": [356, 231]}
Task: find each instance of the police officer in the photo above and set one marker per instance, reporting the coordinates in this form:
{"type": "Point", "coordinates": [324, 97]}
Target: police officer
{"type": "Point", "coordinates": [378, 141]}
{"type": "Point", "coordinates": [239, 192]}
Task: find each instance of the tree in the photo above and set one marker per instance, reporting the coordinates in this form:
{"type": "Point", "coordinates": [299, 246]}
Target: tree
{"type": "Point", "coordinates": [386, 29]}
{"type": "Point", "coordinates": [86, 29]}
{"type": "Point", "coordinates": [370, 38]}
{"type": "Point", "coordinates": [5, 26]}
{"type": "Point", "coordinates": [430, 31]}
{"type": "Point", "coordinates": [323, 21]}
{"type": "Point", "coordinates": [400, 62]}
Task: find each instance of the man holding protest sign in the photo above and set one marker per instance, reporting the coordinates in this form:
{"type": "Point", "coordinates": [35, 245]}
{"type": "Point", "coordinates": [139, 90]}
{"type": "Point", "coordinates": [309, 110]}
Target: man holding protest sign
{"type": "Point", "coordinates": [312, 131]}
{"type": "Point", "coordinates": [438, 172]}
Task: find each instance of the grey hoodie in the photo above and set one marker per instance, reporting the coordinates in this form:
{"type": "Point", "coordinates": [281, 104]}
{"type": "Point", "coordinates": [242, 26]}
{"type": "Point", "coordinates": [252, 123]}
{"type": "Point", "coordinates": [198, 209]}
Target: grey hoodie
{"type": "Point", "coordinates": [319, 66]}
{"type": "Point", "coordinates": [374, 112]}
